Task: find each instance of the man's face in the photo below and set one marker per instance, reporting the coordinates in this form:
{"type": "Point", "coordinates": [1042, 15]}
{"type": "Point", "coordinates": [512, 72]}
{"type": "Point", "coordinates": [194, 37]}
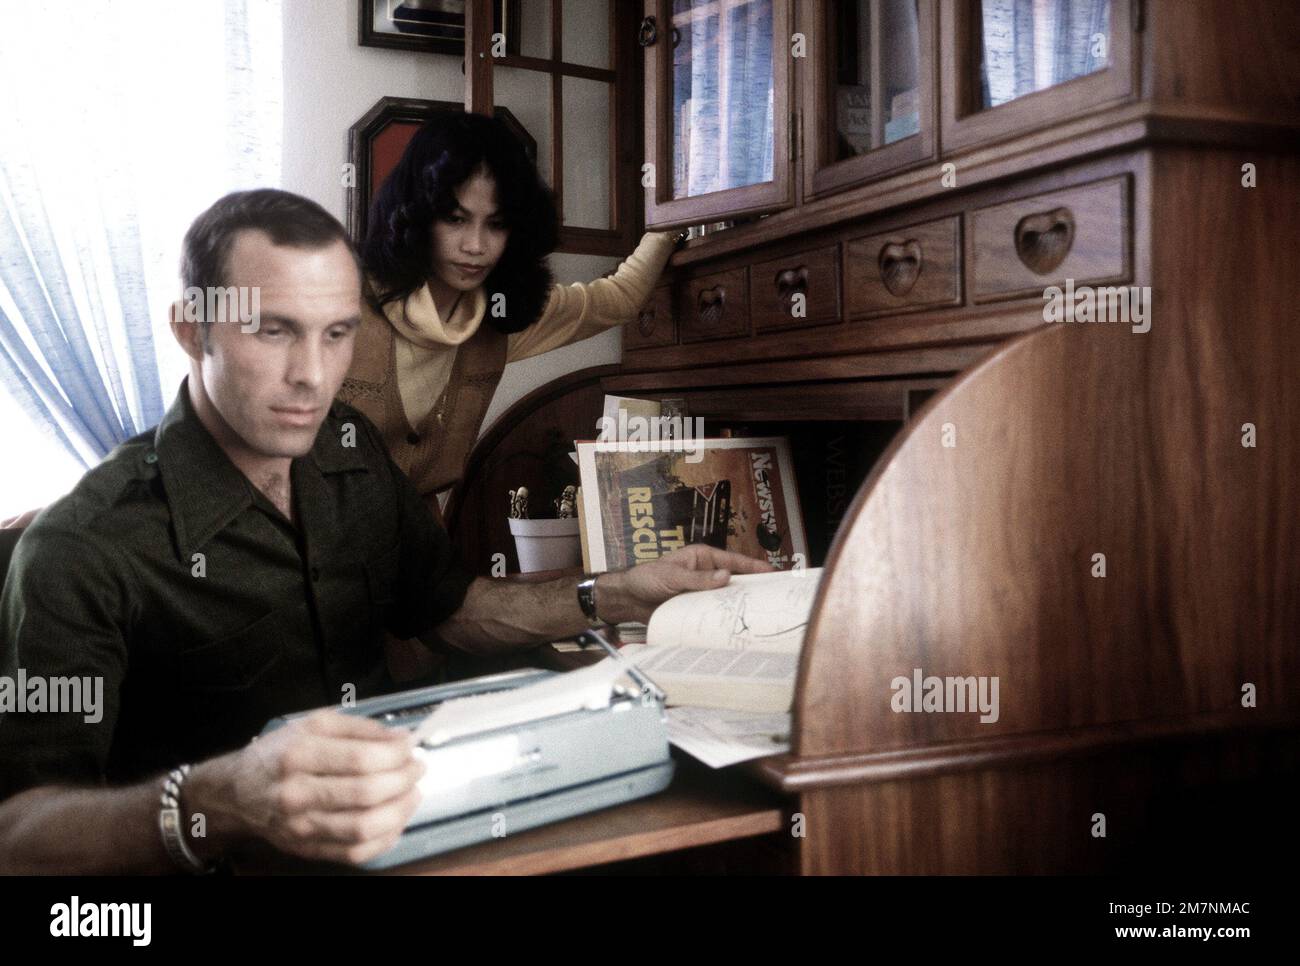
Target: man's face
{"type": "Point", "coordinates": [469, 242]}
{"type": "Point", "coordinates": [273, 386]}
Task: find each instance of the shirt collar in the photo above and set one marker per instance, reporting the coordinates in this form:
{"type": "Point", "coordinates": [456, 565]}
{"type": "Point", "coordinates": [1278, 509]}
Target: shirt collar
{"type": "Point", "coordinates": [205, 490]}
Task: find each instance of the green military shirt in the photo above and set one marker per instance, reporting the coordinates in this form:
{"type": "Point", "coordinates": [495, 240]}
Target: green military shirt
{"type": "Point", "coordinates": [204, 610]}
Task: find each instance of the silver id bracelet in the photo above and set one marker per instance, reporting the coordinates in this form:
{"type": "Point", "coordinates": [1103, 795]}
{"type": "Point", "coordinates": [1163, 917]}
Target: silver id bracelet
{"type": "Point", "coordinates": [172, 824]}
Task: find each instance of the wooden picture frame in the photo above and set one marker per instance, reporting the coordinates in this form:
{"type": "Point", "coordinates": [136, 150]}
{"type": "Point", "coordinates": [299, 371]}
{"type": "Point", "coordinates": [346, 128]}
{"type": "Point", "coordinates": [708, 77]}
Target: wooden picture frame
{"type": "Point", "coordinates": [433, 26]}
{"type": "Point", "coordinates": [376, 143]}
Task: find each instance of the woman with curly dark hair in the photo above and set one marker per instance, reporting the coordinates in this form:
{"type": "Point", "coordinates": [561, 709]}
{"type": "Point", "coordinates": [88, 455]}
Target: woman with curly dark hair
{"type": "Point", "coordinates": [458, 286]}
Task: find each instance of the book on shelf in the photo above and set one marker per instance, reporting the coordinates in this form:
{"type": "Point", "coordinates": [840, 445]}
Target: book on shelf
{"type": "Point", "coordinates": [642, 499]}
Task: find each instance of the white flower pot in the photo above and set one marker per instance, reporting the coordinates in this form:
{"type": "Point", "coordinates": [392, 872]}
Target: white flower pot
{"type": "Point", "coordinates": [547, 544]}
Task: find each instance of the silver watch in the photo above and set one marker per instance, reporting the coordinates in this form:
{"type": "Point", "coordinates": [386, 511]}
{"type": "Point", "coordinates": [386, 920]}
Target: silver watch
{"type": "Point", "coordinates": [587, 600]}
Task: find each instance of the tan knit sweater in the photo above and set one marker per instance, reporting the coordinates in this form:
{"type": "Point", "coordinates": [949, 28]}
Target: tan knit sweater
{"type": "Point", "coordinates": [429, 400]}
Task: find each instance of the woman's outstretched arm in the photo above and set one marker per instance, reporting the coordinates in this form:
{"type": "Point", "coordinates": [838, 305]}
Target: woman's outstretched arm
{"type": "Point", "coordinates": [583, 309]}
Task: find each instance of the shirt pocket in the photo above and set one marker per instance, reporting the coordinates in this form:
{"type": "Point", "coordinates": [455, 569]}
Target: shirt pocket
{"type": "Point", "coordinates": [239, 661]}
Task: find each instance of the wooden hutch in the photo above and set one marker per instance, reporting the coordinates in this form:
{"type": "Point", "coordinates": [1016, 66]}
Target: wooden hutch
{"type": "Point", "coordinates": [914, 176]}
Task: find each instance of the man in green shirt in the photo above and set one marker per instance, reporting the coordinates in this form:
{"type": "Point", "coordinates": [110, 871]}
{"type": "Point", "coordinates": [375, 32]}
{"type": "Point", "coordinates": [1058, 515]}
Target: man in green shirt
{"type": "Point", "coordinates": [244, 560]}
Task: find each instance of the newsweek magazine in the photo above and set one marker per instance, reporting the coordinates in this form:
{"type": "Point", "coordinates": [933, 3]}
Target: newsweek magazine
{"type": "Point", "coordinates": [648, 498]}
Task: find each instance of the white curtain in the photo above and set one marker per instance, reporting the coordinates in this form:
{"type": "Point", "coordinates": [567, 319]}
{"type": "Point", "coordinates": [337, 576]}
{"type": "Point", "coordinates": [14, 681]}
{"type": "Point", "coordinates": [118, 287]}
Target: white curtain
{"type": "Point", "coordinates": [1030, 45]}
{"type": "Point", "coordinates": [723, 94]}
{"type": "Point", "coordinates": [120, 120]}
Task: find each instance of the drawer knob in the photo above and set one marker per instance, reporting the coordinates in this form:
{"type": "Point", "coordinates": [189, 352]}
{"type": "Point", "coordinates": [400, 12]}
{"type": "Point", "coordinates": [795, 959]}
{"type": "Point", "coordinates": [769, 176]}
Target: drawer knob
{"type": "Point", "coordinates": [1044, 239]}
{"type": "Point", "coordinates": [900, 266]}
{"type": "Point", "coordinates": [645, 321]}
{"type": "Point", "coordinates": [711, 303]}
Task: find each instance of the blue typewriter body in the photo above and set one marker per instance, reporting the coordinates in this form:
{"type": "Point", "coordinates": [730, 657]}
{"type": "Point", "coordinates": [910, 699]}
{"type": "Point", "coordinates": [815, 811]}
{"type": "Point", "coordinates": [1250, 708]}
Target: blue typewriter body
{"type": "Point", "coordinates": [495, 783]}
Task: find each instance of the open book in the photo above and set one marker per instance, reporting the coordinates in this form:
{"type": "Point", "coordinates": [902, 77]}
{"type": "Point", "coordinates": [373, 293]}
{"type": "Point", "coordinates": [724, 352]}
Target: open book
{"type": "Point", "coordinates": [736, 647]}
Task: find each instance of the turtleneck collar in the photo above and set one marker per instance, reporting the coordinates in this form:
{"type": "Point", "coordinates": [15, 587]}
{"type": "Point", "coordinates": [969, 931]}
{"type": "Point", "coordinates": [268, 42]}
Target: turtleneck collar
{"type": "Point", "coordinates": [416, 318]}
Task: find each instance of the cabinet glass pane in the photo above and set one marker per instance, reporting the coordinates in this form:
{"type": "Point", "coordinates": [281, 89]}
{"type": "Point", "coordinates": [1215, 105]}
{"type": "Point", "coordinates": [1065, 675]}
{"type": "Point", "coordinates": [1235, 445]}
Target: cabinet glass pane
{"type": "Point", "coordinates": [722, 95]}
{"type": "Point", "coordinates": [528, 96]}
{"type": "Point", "coordinates": [535, 29]}
{"type": "Point", "coordinates": [1029, 45]}
{"type": "Point", "coordinates": [587, 117]}
{"type": "Point", "coordinates": [875, 63]}
{"type": "Point", "coordinates": [585, 25]}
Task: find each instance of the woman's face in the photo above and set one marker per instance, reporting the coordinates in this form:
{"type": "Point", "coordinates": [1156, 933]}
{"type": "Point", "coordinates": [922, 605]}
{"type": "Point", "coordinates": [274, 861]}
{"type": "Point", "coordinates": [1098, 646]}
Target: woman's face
{"type": "Point", "coordinates": [469, 242]}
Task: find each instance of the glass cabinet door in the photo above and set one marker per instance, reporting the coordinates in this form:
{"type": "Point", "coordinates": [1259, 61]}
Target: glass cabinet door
{"type": "Point", "coordinates": [868, 105]}
{"type": "Point", "coordinates": [717, 108]}
{"type": "Point", "coordinates": [1017, 64]}
{"type": "Point", "coordinates": [1027, 45]}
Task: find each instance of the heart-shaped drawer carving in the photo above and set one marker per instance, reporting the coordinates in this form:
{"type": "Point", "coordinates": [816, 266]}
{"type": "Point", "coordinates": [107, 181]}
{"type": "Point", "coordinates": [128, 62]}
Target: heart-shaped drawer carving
{"type": "Point", "coordinates": [1043, 239]}
{"type": "Point", "coordinates": [900, 266]}
{"type": "Point", "coordinates": [790, 282]}
{"type": "Point", "coordinates": [713, 306]}
{"type": "Point", "coordinates": [645, 321]}
{"type": "Point", "coordinates": [712, 302]}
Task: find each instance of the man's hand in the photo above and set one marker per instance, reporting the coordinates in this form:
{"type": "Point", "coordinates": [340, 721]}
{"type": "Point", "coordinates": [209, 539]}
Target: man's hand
{"type": "Point", "coordinates": [503, 617]}
{"type": "Point", "coordinates": [329, 786]}
{"type": "Point", "coordinates": [632, 595]}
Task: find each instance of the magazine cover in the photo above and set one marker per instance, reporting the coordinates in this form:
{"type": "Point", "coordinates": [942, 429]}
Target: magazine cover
{"type": "Point", "coordinates": [645, 499]}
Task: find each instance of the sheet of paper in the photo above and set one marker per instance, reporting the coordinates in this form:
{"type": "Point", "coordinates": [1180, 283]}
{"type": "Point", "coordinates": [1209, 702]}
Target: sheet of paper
{"type": "Point", "coordinates": [589, 687]}
{"type": "Point", "coordinates": [722, 738]}
{"type": "Point", "coordinates": [766, 612]}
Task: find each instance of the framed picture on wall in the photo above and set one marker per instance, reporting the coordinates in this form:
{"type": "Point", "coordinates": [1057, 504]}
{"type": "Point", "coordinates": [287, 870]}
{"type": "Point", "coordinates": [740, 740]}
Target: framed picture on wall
{"type": "Point", "coordinates": [436, 26]}
{"type": "Point", "coordinates": [377, 140]}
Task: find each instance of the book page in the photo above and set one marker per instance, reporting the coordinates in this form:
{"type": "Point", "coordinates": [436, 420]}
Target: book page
{"type": "Point", "coordinates": [709, 677]}
{"type": "Point", "coordinates": [767, 612]}
{"type": "Point", "coordinates": [734, 648]}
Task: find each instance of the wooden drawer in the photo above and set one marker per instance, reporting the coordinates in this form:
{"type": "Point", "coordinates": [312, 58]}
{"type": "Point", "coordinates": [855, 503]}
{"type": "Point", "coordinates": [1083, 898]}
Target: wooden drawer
{"type": "Point", "coordinates": [775, 287]}
{"type": "Point", "coordinates": [1022, 247]}
{"type": "Point", "coordinates": [901, 271]}
{"type": "Point", "coordinates": [714, 306]}
{"type": "Point", "coordinates": [654, 326]}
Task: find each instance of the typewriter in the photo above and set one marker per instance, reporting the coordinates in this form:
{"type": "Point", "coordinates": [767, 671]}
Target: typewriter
{"type": "Point", "coordinates": [512, 751]}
